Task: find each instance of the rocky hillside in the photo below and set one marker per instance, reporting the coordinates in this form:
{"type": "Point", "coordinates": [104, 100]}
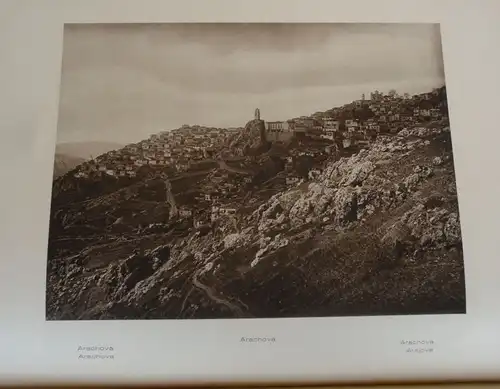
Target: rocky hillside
{"type": "Point", "coordinates": [375, 233]}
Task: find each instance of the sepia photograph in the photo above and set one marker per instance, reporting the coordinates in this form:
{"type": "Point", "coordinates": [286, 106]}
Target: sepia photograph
{"type": "Point", "coordinates": [253, 170]}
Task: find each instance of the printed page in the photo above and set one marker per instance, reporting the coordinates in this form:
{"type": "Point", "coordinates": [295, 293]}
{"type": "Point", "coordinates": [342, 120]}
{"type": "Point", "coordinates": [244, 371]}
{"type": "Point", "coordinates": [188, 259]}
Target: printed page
{"type": "Point", "coordinates": [272, 193]}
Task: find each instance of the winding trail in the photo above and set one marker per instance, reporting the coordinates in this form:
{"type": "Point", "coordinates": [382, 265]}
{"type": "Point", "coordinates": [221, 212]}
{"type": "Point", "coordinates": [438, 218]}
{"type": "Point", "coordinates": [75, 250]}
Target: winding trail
{"type": "Point", "coordinates": [212, 295]}
{"type": "Point", "coordinates": [225, 166]}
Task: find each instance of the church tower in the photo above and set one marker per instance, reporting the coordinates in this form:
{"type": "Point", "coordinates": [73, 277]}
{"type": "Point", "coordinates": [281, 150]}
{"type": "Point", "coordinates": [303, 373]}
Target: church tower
{"type": "Point", "coordinates": [257, 114]}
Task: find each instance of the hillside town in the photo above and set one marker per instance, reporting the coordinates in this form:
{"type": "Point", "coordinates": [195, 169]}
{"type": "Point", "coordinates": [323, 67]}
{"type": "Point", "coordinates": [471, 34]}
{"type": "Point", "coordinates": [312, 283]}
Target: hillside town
{"type": "Point", "coordinates": [354, 124]}
{"type": "Point", "coordinates": [237, 209]}
{"type": "Point", "coordinates": [253, 170]}
{"type": "Point", "coordinates": [178, 150]}
{"type": "Point", "coordinates": [215, 181]}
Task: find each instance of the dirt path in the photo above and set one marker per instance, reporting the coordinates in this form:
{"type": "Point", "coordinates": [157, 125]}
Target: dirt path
{"type": "Point", "coordinates": [212, 295]}
{"type": "Point", "coordinates": [225, 166]}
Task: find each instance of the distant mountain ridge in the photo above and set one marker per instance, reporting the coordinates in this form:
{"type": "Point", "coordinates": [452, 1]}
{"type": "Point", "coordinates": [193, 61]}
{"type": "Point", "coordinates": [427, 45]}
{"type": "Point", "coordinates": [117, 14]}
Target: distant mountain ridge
{"type": "Point", "coordinates": [64, 163]}
{"type": "Point", "coordinates": [86, 150]}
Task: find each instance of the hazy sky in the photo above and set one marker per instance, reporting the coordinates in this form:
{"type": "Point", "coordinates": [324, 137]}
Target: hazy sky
{"type": "Point", "coordinates": [121, 83]}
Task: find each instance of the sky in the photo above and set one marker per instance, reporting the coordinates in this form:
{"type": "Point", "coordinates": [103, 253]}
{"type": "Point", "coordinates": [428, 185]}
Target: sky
{"type": "Point", "coordinates": [122, 82]}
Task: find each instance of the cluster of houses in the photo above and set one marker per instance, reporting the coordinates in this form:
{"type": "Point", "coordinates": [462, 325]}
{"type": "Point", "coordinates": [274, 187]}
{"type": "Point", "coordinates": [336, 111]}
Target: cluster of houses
{"type": "Point", "coordinates": [362, 119]}
{"type": "Point", "coordinates": [215, 201]}
{"type": "Point", "coordinates": [354, 123]}
{"type": "Point", "coordinates": [216, 212]}
{"type": "Point", "coordinates": [186, 148]}
{"type": "Point", "coordinates": [178, 149]}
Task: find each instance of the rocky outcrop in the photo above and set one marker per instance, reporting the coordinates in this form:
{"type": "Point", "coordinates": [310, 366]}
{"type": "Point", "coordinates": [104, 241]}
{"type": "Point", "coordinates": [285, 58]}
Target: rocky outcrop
{"type": "Point", "coordinates": [252, 140]}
